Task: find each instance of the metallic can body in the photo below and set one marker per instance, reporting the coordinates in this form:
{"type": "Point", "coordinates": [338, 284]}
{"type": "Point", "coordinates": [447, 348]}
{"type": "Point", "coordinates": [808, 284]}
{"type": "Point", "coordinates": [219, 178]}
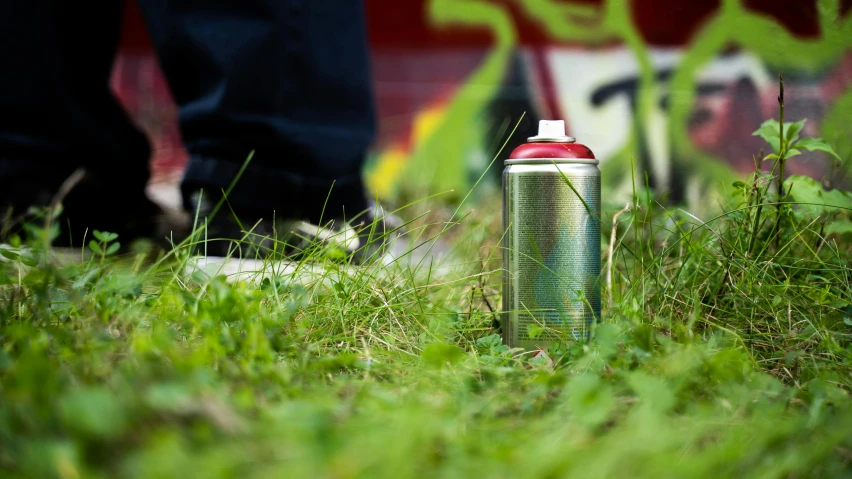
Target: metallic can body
{"type": "Point", "coordinates": [551, 250]}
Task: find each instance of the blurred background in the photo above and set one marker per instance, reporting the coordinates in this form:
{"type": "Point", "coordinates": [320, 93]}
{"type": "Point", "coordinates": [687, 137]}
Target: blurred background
{"type": "Point", "coordinates": [674, 88]}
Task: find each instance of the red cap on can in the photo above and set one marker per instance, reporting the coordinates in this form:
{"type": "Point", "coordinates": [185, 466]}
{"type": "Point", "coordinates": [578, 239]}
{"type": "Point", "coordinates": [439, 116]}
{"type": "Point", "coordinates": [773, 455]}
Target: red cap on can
{"type": "Point", "coordinates": [551, 142]}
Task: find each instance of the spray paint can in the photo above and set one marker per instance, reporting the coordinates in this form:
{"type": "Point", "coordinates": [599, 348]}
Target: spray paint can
{"type": "Point", "coordinates": [551, 243]}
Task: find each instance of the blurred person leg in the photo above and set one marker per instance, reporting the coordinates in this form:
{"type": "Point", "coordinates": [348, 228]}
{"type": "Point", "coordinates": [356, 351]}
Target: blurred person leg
{"type": "Point", "coordinates": [287, 79]}
{"type": "Point", "coordinates": [57, 114]}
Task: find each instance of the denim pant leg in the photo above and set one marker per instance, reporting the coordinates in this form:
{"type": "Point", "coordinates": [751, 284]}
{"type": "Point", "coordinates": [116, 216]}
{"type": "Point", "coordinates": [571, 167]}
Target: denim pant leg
{"type": "Point", "coordinates": [287, 79]}
{"type": "Point", "coordinates": [56, 110]}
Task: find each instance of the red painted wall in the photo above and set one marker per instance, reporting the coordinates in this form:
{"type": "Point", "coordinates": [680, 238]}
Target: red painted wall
{"type": "Point", "coordinates": [417, 65]}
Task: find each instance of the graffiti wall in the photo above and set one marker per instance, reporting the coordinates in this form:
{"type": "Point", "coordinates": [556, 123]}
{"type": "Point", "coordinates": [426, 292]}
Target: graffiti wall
{"type": "Point", "coordinates": [668, 88]}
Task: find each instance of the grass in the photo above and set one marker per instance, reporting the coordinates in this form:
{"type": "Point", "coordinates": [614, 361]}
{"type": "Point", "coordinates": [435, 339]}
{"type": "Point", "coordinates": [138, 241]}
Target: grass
{"type": "Point", "coordinates": [724, 350]}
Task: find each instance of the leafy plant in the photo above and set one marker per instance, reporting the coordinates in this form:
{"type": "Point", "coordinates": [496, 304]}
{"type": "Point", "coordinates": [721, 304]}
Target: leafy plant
{"type": "Point", "coordinates": [785, 140]}
{"type": "Point", "coordinates": [106, 244]}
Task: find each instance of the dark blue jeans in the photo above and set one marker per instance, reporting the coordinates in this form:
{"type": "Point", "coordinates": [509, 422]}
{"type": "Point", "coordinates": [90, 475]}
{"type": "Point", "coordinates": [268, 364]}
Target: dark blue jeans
{"type": "Point", "coordinates": [288, 79]}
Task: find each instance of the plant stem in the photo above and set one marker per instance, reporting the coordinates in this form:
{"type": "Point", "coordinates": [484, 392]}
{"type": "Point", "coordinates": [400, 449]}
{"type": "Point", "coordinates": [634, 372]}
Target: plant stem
{"type": "Point", "coordinates": [783, 145]}
{"type": "Point", "coordinates": [782, 153]}
{"type": "Point", "coordinates": [755, 195]}
{"type": "Point", "coordinates": [755, 226]}
{"type": "Point", "coordinates": [611, 256]}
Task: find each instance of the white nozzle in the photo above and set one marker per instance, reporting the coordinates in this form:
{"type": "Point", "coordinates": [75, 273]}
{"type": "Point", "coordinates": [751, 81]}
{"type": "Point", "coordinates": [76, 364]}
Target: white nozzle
{"type": "Point", "coordinates": [551, 128]}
